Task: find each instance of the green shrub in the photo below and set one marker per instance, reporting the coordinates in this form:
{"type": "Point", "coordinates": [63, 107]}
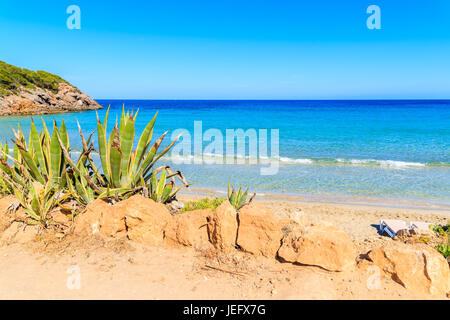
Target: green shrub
{"type": "Point", "coordinates": [444, 249]}
{"type": "Point", "coordinates": [204, 203]}
{"type": "Point", "coordinates": [444, 233]}
{"type": "Point", "coordinates": [12, 78]}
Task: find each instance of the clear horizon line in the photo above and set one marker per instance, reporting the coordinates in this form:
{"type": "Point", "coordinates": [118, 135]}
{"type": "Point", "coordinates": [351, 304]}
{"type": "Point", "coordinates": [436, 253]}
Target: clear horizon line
{"type": "Point", "coordinates": [219, 99]}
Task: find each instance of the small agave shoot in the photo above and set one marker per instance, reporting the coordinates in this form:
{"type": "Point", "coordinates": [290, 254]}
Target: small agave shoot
{"type": "Point", "coordinates": [162, 189]}
{"type": "Point", "coordinates": [37, 174]}
{"type": "Point", "coordinates": [127, 171]}
{"type": "Point", "coordinates": [238, 199]}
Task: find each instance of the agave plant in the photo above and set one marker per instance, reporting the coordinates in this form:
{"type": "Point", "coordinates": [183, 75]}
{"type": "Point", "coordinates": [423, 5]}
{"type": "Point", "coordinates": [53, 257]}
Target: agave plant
{"type": "Point", "coordinates": [127, 171]}
{"type": "Point", "coordinates": [163, 190]}
{"type": "Point", "coordinates": [42, 158]}
{"type": "Point", "coordinates": [37, 173]}
{"type": "Point", "coordinates": [238, 199]}
{"type": "Point", "coordinates": [42, 174]}
{"type": "Point", "coordinates": [38, 200]}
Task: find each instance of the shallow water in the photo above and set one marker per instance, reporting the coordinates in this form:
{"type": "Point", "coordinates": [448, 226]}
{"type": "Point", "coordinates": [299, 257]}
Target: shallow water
{"type": "Point", "coordinates": [387, 149]}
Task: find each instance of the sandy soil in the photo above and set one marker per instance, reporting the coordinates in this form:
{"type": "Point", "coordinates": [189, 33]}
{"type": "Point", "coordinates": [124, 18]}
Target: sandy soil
{"type": "Point", "coordinates": [119, 269]}
{"type": "Point", "coordinates": [361, 223]}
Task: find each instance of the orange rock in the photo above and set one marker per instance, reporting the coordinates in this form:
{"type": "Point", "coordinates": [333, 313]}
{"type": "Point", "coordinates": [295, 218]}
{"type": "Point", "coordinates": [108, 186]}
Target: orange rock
{"type": "Point", "coordinates": [416, 267]}
{"type": "Point", "coordinates": [319, 245]}
{"type": "Point", "coordinates": [19, 232]}
{"type": "Point", "coordinates": [145, 219]}
{"type": "Point", "coordinates": [4, 204]}
{"type": "Point", "coordinates": [188, 229]}
{"type": "Point", "coordinates": [99, 217]}
{"type": "Point", "coordinates": [139, 218]}
{"type": "Point", "coordinates": [59, 217]}
{"type": "Point", "coordinates": [43, 101]}
{"type": "Point", "coordinates": [259, 232]}
{"type": "Point", "coordinates": [222, 227]}
{"type": "Point", "coordinates": [112, 222]}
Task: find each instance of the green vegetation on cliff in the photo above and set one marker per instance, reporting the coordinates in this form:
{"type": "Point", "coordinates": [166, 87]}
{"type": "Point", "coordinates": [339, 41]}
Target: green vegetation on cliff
{"type": "Point", "coordinates": [12, 78]}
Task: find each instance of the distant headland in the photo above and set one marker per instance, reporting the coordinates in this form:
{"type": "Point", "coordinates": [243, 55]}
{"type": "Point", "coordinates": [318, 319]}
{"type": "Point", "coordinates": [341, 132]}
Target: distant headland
{"type": "Point", "coordinates": [26, 92]}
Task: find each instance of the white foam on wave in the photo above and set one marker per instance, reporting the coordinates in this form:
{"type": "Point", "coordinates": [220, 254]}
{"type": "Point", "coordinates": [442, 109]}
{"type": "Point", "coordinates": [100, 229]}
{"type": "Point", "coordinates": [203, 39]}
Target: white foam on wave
{"type": "Point", "coordinates": [381, 163]}
{"type": "Point", "coordinates": [357, 162]}
{"type": "Point", "coordinates": [293, 161]}
{"type": "Point", "coordinates": [400, 164]}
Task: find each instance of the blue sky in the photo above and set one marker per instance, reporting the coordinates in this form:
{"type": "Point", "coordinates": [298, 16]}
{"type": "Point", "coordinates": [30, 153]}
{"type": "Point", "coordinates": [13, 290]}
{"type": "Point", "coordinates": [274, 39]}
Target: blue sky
{"type": "Point", "coordinates": [234, 49]}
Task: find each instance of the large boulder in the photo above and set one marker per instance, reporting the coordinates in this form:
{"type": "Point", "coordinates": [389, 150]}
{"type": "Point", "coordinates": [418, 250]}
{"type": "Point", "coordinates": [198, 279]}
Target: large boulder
{"type": "Point", "coordinates": [100, 217]}
{"type": "Point", "coordinates": [259, 232]}
{"type": "Point", "coordinates": [416, 267]}
{"type": "Point", "coordinates": [145, 220]}
{"type": "Point", "coordinates": [188, 229]}
{"type": "Point", "coordinates": [319, 245]}
{"type": "Point", "coordinates": [222, 227]}
{"type": "Point", "coordinates": [139, 218]}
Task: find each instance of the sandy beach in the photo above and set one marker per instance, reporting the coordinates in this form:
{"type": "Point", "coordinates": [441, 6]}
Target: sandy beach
{"type": "Point", "coordinates": [121, 269]}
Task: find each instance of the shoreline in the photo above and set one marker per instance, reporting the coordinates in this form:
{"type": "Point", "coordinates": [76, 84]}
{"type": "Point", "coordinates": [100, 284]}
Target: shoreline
{"type": "Point", "coordinates": [41, 113]}
{"type": "Point", "coordinates": [343, 200]}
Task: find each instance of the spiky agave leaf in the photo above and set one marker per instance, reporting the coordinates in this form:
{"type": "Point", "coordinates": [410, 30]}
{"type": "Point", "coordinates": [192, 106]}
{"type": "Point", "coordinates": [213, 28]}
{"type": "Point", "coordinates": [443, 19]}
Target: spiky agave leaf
{"type": "Point", "coordinates": [103, 146]}
{"type": "Point", "coordinates": [161, 185]}
{"type": "Point", "coordinates": [116, 159]}
{"type": "Point", "coordinates": [36, 142]}
{"type": "Point", "coordinates": [29, 162]}
{"type": "Point", "coordinates": [55, 156]}
{"type": "Point", "coordinates": [238, 199]}
{"type": "Point", "coordinates": [143, 144]}
{"type": "Point", "coordinates": [126, 138]}
{"type": "Point", "coordinates": [242, 199]}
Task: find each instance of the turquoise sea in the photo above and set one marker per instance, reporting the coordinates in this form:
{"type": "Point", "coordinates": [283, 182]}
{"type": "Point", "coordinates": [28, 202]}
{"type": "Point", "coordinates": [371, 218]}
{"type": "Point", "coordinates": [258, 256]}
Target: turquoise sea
{"type": "Point", "coordinates": [332, 149]}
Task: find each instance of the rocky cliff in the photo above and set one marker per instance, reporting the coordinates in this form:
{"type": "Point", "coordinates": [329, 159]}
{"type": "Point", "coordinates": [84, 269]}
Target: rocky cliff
{"type": "Point", "coordinates": [25, 92]}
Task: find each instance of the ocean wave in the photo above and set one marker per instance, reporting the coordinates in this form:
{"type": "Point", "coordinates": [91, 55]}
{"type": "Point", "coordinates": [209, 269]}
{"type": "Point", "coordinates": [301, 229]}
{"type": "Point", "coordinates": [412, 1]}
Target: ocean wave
{"type": "Point", "coordinates": [364, 162]}
{"type": "Point", "coordinates": [381, 163]}
{"type": "Point", "coordinates": [214, 158]}
{"type": "Point", "coordinates": [294, 161]}
{"type": "Point", "coordinates": [316, 161]}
